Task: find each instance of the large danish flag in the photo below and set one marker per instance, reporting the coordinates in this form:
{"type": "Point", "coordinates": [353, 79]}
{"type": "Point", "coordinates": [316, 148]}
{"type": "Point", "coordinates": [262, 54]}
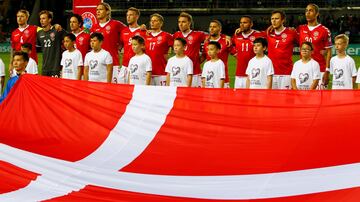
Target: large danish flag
{"type": "Point", "coordinates": [64, 140]}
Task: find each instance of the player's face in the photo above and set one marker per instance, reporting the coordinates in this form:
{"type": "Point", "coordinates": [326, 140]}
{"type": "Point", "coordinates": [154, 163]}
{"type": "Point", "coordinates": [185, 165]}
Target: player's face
{"type": "Point", "coordinates": [95, 44]}
{"type": "Point", "coordinates": [178, 47]}
{"type": "Point", "coordinates": [136, 46]}
{"type": "Point", "coordinates": [101, 12]}
{"type": "Point", "coordinates": [305, 51]}
{"type": "Point", "coordinates": [21, 18]}
{"type": "Point", "coordinates": [74, 24]}
{"type": "Point", "coordinates": [277, 21]}
{"type": "Point", "coordinates": [19, 63]}
{"type": "Point", "coordinates": [44, 20]}
{"type": "Point", "coordinates": [340, 45]}
{"type": "Point", "coordinates": [212, 50]}
{"type": "Point", "coordinates": [131, 17]}
{"type": "Point", "coordinates": [259, 48]}
{"type": "Point", "coordinates": [214, 29]}
{"type": "Point", "coordinates": [310, 13]}
{"type": "Point", "coordinates": [155, 23]}
{"type": "Point", "coordinates": [184, 24]}
{"type": "Point", "coordinates": [245, 24]}
{"type": "Point", "coordinates": [68, 43]}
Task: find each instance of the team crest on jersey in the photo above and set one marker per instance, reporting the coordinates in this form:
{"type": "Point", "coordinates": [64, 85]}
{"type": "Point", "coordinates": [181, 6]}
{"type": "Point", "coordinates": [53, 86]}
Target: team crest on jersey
{"type": "Point", "coordinates": [89, 19]}
{"type": "Point", "coordinates": [175, 70]}
{"type": "Point", "coordinates": [26, 33]}
{"type": "Point", "coordinates": [68, 62]}
{"type": "Point", "coordinates": [338, 73]}
{"type": "Point", "coordinates": [252, 38]}
{"type": "Point", "coordinates": [210, 75]}
{"type": "Point", "coordinates": [283, 36]}
{"type": "Point", "coordinates": [255, 72]}
{"type": "Point", "coordinates": [316, 34]}
{"type": "Point", "coordinates": [108, 28]}
{"type": "Point", "coordinates": [303, 77]}
{"type": "Point", "coordinates": [81, 40]}
{"type": "Point", "coordinates": [93, 64]}
{"type": "Point", "coordinates": [133, 68]}
{"type": "Point", "coordinates": [52, 36]}
{"type": "Point", "coordinates": [190, 39]}
{"type": "Point", "coordinates": [159, 38]}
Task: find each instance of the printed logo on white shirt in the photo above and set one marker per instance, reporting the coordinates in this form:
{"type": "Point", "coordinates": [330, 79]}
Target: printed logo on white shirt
{"type": "Point", "coordinates": [338, 73]}
{"type": "Point", "coordinates": [303, 77]}
{"type": "Point", "coordinates": [93, 64]}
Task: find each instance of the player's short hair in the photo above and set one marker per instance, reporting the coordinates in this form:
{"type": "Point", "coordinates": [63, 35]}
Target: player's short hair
{"type": "Point", "coordinates": [344, 37]}
{"type": "Point", "coordinates": [261, 40]}
{"type": "Point", "coordinates": [107, 7]}
{"type": "Point", "coordinates": [308, 43]}
{"type": "Point", "coordinates": [27, 45]}
{"type": "Point", "coordinates": [49, 14]}
{"type": "Point", "coordinates": [316, 7]}
{"type": "Point", "coordinates": [139, 39]}
{"type": "Point", "coordinates": [71, 36]}
{"type": "Point", "coordinates": [137, 11]}
{"type": "Point", "coordinates": [98, 35]}
{"type": "Point", "coordinates": [24, 55]}
{"type": "Point", "coordinates": [247, 16]}
{"type": "Point", "coordinates": [160, 17]}
{"type": "Point", "coordinates": [24, 11]}
{"type": "Point", "coordinates": [188, 16]}
{"type": "Point", "coordinates": [281, 12]}
{"type": "Point", "coordinates": [79, 18]}
{"type": "Point", "coordinates": [217, 22]}
{"type": "Point", "coordinates": [182, 40]}
{"type": "Point", "coordinates": [216, 44]}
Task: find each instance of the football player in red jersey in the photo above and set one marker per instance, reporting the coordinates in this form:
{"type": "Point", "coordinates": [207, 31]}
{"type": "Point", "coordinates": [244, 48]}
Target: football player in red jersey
{"type": "Point", "coordinates": [243, 48]}
{"type": "Point", "coordinates": [320, 37]}
{"type": "Point", "coordinates": [157, 46]}
{"type": "Point", "coordinates": [281, 42]}
{"type": "Point", "coordinates": [111, 30]}
{"type": "Point", "coordinates": [215, 28]}
{"type": "Point", "coordinates": [133, 29]}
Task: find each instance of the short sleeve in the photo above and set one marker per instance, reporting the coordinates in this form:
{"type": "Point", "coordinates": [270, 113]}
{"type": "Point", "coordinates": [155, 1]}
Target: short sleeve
{"type": "Point", "coordinates": [108, 59]}
{"type": "Point", "coordinates": [80, 59]}
{"type": "Point", "coordinates": [203, 74]}
{"type": "Point", "coordinates": [316, 71]}
{"type": "Point", "coordinates": [222, 70]}
{"type": "Point", "coordinates": [270, 68]}
{"type": "Point", "coordinates": [190, 67]}
{"type": "Point", "coordinates": [2, 68]}
{"type": "Point", "coordinates": [148, 64]}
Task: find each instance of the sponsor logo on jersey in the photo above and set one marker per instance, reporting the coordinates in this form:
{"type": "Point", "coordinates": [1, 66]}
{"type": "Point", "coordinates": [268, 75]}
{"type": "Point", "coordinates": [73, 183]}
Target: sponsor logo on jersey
{"type": "Point", "coordinates": [210, 75]}
{"type": "Point", "coordinates": [89, 19]}
{"type": "Point", "coordinates": [133, 68]}
{"type": "Point", "coordinates": [68, 62]}
{"type": "Point", "coordinates": [93, 64]}
{"type": "Point", "coordinates": [303, 77]}
{"type": "Point", "coordinates": [338, 73]}
{"type": "Point", "coordinates": [255, 72]}
{"type": "Point", "coordinates": [175, 70]}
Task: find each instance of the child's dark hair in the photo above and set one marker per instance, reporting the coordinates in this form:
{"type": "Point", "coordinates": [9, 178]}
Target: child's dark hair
{"type": "Point", "coordinates": [182, 40]}
{"type": "Point", "coordinates": [308, 44]}
{"type": "Point", "coordinates": [98, 35]}
{"type": "Point", "coordinates": [24, 55]}
{"type": "Point", "coordinates": [261, 40]}
{"type": "Point", "coordinates": [71, 36]}
{"type": "Point", "coordinates": [216, 44]}
{"type": "Point", "coordinates": [27, 45]}
{"type": "Point", "coordinates": [139, 39]}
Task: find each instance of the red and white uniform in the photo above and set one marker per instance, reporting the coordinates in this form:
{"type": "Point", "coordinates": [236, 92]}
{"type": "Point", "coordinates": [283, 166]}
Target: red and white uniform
{"type": "Point", "coordinates": [111, 31]}
{"type": "Point", "coordinates": [320, 37]}
{"type": "Point", "coordinates": [82, 43]}
{"type": "Point", "coordinates": [157, 46]}
{"type": "Point", "coordinates": [125, 38]}
{"type": "Point", "coordinates": [244, 49]}
{"type": "Point", "coordinates": [280, 50]}
{"type": "Point", "coordinates": [193, 45]}
{"type": "Point", "coordinates": [26, 35]}
{"type": "Point", "coordinates": [223, 54]}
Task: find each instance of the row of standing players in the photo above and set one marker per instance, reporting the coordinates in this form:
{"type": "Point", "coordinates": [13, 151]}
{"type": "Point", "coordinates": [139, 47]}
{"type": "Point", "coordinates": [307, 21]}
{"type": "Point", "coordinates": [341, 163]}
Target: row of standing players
{"type": "Point", "coordinates": [281, 41]}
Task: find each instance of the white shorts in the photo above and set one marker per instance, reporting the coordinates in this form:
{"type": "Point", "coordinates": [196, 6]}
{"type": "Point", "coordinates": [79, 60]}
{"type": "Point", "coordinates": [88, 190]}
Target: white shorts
{"type": "Point", "coordinates": [281, 82]}
{"type": "Point", "coordinates": [123, 75]}
{"type": "Point", "coordinates": [196, 81]}
{"type": "Point", "coordinates": [116, 70]}
{"type": "Point", "coordinates": [158, 80]}
{"type": "Point", "coordinates": [240, 82]}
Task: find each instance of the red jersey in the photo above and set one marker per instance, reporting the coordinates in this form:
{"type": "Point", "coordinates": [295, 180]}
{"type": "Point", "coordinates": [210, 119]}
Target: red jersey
{"type": "Point", "coordinates": [223, 54]}
{"type": "Point", "coordinates": [82, 43]}
{"type": "Point", "coordinates": [157, 46]}
{"type": "Point", "coordinates": [280, 50]}
{"type": "Point", "coordinates": [28, 35]}
{"type": "Point", "coordinates": [193, 45]}
{"type": "Point", "coordinates": [320, 37]}
{"type": "Point", "coordinates": [111, 32]}
{"type": "Point", "coordinates": [125, 38]}
{"type": "Point", "coordinates": [243, 45]}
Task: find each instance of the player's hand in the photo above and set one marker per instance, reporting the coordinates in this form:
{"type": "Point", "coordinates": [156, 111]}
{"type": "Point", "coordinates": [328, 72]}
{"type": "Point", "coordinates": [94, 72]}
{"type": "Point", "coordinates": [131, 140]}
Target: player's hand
{"type": "Point", "coordinates": [325, 79]}
{"type": "Point", "coordinates": [58, 27]}
{"type": "Point", "coordinates": [238, 30]}
{"type": "Point", "coordinates": [143, 27]}
{"type": "Point", "coordinates": [228, 41]}
{"type": "Point", "coordinates": [269, 30]}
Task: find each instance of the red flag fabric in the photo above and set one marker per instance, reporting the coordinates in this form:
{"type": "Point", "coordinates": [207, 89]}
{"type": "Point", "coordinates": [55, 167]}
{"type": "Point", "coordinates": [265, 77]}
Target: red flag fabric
{"type": "Point", "coordinates": [64, 140]}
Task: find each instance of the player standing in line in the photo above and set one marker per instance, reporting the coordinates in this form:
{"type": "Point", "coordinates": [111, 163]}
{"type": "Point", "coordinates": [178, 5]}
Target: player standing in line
{"type": "Point", "coordinates": [98, 64]}
{"type": "Point", "coordinates": [243, 48]}
{"type": "Point", "coordinates": [133, 29]}
{"type": "Point", "coordinates": [281, 41]}
{"type": "Point", "coordinates": [179, 67]}
{"type": "Point", "coordinates": [72, 60]}
{"type": "Point", "coordinates": [342, 66]}
{"type": "Point", "coordinates": [82, 38]}
{"type": "Point", "coordinates": [215, 28]}
{"type": "Point", "coordinates": [213, 73]}
{"type": "Point", "coordinates": [111, 30]}
{"type": "Point", "coordinates": [260, 69]}
{"type": "Point", "coordinates": [306, 72]}
{"type": "Point", "coordinates": [140, 66]}
{"type": "Point", "coordinates": [2, 75]}
{"type": "Point", "coordinates": [50, 41]}
{"type": "Point", "coordinates": [320, 37]}
{"type": "Point", "coordinates": [157, 46]}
